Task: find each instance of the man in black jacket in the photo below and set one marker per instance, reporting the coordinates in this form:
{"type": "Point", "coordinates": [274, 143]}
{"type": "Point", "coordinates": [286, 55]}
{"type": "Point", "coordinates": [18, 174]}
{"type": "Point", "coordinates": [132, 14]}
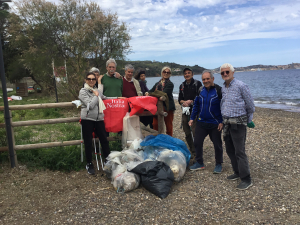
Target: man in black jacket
{"type": "Point", "coordinates": [188, 91]}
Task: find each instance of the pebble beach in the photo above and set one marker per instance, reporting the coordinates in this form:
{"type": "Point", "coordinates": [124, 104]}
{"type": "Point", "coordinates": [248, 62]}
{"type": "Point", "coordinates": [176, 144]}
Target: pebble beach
{"type": "Point", "coordinates": [53, 197]}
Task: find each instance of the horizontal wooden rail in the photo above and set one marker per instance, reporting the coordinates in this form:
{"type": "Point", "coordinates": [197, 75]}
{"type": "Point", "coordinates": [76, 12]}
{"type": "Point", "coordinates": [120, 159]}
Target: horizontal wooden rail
{"type": "Point", "coordinates": [42, 122]}
{"type": "Point", "coordinates": [53, 144]}
{"type": "Point", "coordinates": [39, 106]}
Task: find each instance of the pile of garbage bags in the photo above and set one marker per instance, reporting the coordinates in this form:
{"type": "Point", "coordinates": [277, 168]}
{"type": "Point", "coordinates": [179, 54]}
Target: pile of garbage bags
{"type": "Point", "coordinates": [155, 167]}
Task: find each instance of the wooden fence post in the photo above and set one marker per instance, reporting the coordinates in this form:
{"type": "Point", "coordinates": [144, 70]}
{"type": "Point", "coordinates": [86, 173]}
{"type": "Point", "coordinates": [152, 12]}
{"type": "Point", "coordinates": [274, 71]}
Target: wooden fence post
{"type": "Point", "coordinates": [160, 117]}
{"type": "Point", "coordinates": [13, 140]}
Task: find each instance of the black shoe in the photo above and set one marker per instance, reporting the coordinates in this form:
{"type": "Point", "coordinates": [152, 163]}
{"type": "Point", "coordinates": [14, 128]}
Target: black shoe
{"type": "Point", "coordinates": [233, 177]}
{"type": "Point", "coordinates": [244, 185]}
{"type": "Point", "coordinates": [90, 168]}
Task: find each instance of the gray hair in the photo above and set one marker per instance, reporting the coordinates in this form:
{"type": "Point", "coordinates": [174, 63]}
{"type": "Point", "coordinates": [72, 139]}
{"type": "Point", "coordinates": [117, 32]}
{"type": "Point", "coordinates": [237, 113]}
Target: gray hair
{"type": "Point", "coordinates": [226, 65]}
{"type": "Point", "coordinates": [208, 71]}
{"type": "Point", "coordinates": [165, 67]}
{"type": "Point", "coordinates": [129, 67]}
{"type": "Point", "coordinates": [111, 60]}
{"type": "Point", "coordinates": [94, 70]}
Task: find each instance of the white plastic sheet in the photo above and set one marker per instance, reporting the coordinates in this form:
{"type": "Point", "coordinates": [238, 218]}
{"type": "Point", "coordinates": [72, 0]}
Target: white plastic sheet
{"type": "Point", "coordinates": [131, 130]}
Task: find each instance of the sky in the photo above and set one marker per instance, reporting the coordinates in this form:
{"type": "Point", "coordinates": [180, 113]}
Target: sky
{"type": "Point", "coordinates": [209, 33]}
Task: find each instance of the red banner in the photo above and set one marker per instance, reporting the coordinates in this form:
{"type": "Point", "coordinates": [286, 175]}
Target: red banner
{"type": "Point", "coordinates": [115, 110]}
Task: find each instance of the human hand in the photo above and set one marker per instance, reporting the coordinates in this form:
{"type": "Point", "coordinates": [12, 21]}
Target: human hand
{"type": "Point", "coordinates": [96, 93]}
{"type": "Point", "coordinates": [121, 97]}
{"type": "Point", "coordinates": [146, 94]}
{"type": "Point", "coordinates": [220, 126]}
{"type": "Point", "coordinates": [99, 79]}
{"type": "Point", "coordinates": [117, 75]}
{"type": "Point", "coordinates": [185, 104]}
{"type": "Point", "coordinates": [191, 123]}
{"type": "Point", "coordinates": [251, 124]}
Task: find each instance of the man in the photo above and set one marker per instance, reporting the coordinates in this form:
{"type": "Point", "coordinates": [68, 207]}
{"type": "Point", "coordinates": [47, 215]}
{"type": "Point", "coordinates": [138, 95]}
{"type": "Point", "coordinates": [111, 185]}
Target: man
{"type": "Point", "coordinates": [237, 107]}
{"type": "Point", "coordinates": [112, 84]}
{"type": "Point", "coordinates": [188, 91]}
{"type": "Point", "coordinates": [131, 86]}
{"type": "Point", "coordinates": [207, 105]}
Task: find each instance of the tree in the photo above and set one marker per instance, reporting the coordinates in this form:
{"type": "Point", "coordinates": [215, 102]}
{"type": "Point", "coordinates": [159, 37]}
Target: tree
{"type": "Point", "coordinates": [77, 32]}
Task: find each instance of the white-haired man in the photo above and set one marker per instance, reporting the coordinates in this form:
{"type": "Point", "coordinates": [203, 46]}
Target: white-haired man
{"type": "Point", "coordinates": [131, 86]}
{"type": "Point", "coordinates": [237, 108]}
{"type": "Point", "coordinates": [112, 83]}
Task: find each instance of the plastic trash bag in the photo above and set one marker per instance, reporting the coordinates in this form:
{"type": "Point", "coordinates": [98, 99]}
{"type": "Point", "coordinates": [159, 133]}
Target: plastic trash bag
{"type": "Point", "coordinates": [176, 161]}
{"type": "Point", "coordinates": [78, 103]}
{"type": "Point", "coordinates": [156, 177]}
{"type": "Point", "coordinates": [136, 144]}
{"type": "Point", "coordinates": [131, 130]}
{"type": "Point", "coordinates": [126, 181]}
{"type": "Point", "coordinates": [108, 168]}
{"type": "Point", "coordinates": [117, 170]}
{"type": "Point", "coordinates": [152, 152]}
{"type": "Point", "coordinates": [115, 156]}
{"type": "Point", "coordinates": [166, 141]}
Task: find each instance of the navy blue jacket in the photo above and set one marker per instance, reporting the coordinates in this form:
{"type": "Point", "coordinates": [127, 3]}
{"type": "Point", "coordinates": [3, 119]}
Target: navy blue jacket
{"type": "Point", "coordinates": [207, 105]}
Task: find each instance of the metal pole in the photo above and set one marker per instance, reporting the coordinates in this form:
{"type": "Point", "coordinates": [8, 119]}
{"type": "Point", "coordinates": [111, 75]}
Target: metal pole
{"type": "Point", "coordinates": [6, 110]}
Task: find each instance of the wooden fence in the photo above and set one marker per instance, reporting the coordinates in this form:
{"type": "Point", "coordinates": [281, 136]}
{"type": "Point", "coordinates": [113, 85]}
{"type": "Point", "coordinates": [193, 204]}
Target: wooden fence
{"type": "Point", "coordinates": [160, 116]}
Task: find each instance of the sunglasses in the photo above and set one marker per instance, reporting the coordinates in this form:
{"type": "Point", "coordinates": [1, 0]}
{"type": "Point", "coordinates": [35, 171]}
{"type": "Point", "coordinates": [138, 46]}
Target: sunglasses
{"type": "Point", "coordinates": [166, 72]}
{"type": "Point", "coordinates": [227, 72]}
{"type": "Point", "coordinates": [91, 79]}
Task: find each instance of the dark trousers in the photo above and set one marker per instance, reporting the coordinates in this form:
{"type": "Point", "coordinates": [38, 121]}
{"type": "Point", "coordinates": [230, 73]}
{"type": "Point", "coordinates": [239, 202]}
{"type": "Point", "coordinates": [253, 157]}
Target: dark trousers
{"type": "Point", "coordinates": [189, 131]}
{"type": "Point", "coordinates": [147, 120]}
{"type": "Point", "coordinates": [88, 127]}
{"type": "Point", "coordinates": [235, 148]}
{"type": "Point", "coordinates": [215, 137]}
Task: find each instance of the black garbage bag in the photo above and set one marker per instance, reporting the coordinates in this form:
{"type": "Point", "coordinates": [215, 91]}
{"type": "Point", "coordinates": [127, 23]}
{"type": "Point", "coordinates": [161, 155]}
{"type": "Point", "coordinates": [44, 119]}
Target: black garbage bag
{"type": "Point", "coordinates": [156, 177]}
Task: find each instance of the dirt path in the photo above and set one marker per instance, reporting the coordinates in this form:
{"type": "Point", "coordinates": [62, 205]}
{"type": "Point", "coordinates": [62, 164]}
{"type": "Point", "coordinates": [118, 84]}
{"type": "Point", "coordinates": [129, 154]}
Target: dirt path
{"type": "Point", "coordinates": [47, 197]}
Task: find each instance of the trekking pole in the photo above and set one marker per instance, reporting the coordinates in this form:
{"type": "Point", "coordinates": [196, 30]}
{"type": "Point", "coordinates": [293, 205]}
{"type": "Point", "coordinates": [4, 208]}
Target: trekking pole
{"type": "Point", "coordinates": [95, 150]}
{"type": "Point", "coordinates": [100, 153]}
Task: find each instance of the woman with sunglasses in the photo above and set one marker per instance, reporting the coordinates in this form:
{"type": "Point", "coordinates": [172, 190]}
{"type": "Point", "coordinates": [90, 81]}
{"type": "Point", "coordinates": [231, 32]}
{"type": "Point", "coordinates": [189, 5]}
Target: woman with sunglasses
{"type": "Point", "coordinates": [166, 86]}
{"type": "Point", "coordinates": [92, 118]}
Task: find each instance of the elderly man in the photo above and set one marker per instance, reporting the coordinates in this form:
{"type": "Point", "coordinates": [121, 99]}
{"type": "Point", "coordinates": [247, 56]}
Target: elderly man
{"type": "Point", "coordinates": [131, 86]}
{"type": "Point", "coordinates": [237, 107]}
{"type": "Point", "coordinates": [188, 91]}
{"type": "Point", "coordinates": [207, 105]}
{"type": "Point", "coordinates": [111, 81]}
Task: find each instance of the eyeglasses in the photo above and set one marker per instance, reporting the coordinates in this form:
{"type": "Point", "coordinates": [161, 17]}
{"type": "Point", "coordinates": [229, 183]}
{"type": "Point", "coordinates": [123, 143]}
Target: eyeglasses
{"type": "Point", "coordinates": [166, 72]}
{"type": "Point", "coordinates": [227, 72]}
{"type": "Point", "coordinates": [91, 79]}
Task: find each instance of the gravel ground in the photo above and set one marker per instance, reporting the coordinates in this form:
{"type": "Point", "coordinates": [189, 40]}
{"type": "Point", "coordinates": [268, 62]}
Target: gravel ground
{"type": "Point", "coordinates": [47, 197]}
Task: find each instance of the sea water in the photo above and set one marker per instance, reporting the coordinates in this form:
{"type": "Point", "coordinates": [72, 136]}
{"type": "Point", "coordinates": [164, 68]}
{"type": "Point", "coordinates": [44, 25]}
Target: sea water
{"type": "Point", "coordinates": [276, 89]}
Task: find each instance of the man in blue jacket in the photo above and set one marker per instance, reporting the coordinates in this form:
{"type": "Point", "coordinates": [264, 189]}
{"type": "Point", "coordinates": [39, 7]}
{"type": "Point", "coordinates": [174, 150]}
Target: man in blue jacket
{"type": "Point", "coordinates": [209, 122]}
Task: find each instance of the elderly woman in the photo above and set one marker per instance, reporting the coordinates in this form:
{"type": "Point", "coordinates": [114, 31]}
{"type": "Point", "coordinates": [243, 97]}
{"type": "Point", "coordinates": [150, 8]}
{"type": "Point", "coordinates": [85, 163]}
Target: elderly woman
{"type": "Point", "coordinates": [92, 118]}
{"type": "Point", "coordinates": [166, 86]}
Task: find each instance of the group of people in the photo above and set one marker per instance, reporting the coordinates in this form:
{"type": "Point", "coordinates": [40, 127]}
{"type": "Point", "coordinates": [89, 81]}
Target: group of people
{"type": "Point", "coordinates": [207, 110]}
{"type": "Point", "coordinates": [215, 109]}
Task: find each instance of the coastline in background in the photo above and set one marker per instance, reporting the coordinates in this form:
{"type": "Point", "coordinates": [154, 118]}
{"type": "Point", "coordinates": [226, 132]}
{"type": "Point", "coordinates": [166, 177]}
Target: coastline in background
{"type": "Point", "coordinates": [274, 89]}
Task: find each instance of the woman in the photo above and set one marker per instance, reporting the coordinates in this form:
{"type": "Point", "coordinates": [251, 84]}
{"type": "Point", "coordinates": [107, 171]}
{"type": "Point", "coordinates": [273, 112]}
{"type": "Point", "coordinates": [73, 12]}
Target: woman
{"type": "Point", "coordinates": [92, 118]}
{"type": "Point", "coordinates": [141, 77]}
{"type": "Point", "coordinates": [166, 86]}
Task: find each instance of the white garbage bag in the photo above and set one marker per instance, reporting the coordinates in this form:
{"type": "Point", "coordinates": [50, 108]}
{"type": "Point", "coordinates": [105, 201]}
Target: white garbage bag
{"type": "Point", "coordinates": [131, 130]}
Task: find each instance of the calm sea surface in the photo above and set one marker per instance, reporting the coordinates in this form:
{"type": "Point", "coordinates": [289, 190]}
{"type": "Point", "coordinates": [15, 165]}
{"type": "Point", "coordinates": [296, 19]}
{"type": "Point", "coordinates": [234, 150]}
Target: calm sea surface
{"type": "Point", "coordinates": [276, 89]}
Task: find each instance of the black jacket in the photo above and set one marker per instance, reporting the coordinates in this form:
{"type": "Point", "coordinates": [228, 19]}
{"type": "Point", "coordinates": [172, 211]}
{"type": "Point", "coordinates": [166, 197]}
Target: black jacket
{"type": "Point", "coordinates": [189, 92]}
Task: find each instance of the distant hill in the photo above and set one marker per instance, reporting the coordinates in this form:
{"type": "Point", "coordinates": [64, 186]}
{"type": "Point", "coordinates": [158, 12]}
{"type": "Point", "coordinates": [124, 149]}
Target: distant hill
{"type": "Point", "coordinates": [153, 68]}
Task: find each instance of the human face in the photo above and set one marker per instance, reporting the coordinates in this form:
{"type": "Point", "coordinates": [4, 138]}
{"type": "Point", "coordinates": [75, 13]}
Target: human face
{"type": "Point", "coordinates": [166, 74]}
{"type": "Point", "coordinates": [91, 80]}
{"type": "Point", "coordinates": [142, 77]}
{"type": "Point", "coordinates": [129, 74]}
{"type": "Point", "coordinates": [188, 75]}
{"type": "Point", "coordinates": [111, 69]}
{"type": "Point", "coordinates": [97, 75]}
{"type": "Point", "coordinates": [227, 77]}
{"type": "Point", "coordinates": [207, 80]}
